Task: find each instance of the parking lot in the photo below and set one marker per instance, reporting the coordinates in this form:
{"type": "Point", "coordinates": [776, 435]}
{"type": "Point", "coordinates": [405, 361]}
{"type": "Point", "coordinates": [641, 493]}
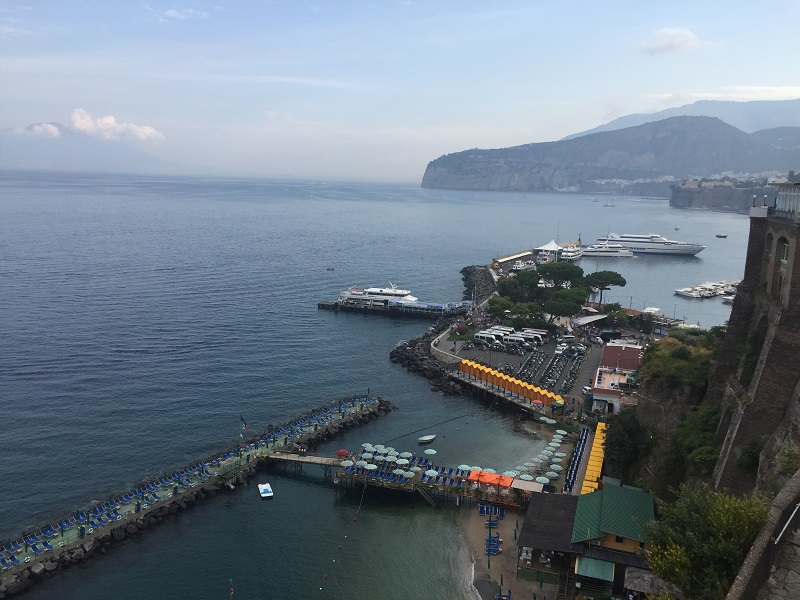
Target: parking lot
{"type": "Point", "coordinates": [563, 372]}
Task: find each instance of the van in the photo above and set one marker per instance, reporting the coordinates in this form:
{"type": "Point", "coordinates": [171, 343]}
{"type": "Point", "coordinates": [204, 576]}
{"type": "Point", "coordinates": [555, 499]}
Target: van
{"type": "Point", "coordinates": [484, 337]}
{"type": "Point", "coordinates": [506, 330]}
{"type": "Point", "coordinates": [532, 338]}
{"type": "Point", "coordinates": [514, 340]}
{"type": "Point", "coordinates": [567, 337]}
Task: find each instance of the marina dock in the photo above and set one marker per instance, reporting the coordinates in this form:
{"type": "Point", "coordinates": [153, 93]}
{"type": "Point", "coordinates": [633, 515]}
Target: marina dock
{"type": "Point", "coordinates": [425, 310]}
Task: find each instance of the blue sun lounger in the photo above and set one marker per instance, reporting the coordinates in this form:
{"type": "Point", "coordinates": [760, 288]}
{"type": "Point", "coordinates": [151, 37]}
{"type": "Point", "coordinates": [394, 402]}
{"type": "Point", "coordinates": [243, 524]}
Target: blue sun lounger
{"type": "Point", "coordinates": [5, 565]}
{"type": "Point", "coordinates": [155, 496]}
{"type": "Point", "coordinates": [93, 525]}
{"type": "Point", "coordinates": [36, 550]}
{"type": "Point", "coordinates": [13, 560]}
{"type": "Point", "coordinates": [102, 520]}
{"type": "Point", "coordinates": [49, 531]}
{"type": "Point", "coordinates": [32, 538]}
{"type": "Point", "coordinates": [81, 518]}
{"type": "Point", "coordinates": [14, 546]}
{"type": "Point", "coordinates": [47, 546]}
{"type": "Point", "coordinates": [125, 499]}
{"type": "Point", "coordinates": [66, 524]}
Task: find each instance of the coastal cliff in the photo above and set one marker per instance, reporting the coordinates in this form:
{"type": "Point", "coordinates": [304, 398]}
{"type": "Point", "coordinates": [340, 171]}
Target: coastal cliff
{"type": "Point", "coordinates": [724, 199]}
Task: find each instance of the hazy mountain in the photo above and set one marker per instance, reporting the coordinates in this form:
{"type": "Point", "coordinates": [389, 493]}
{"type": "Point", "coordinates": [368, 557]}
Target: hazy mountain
{"type": "Point", "coordinates": [676, 148]}
{"type": "Point", "coordinates": [747, 116]}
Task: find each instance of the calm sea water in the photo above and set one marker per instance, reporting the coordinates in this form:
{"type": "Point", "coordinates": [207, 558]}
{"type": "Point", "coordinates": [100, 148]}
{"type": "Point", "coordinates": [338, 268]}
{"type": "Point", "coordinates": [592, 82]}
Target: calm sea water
{"type": "Point", "coordinates": [141, 316]}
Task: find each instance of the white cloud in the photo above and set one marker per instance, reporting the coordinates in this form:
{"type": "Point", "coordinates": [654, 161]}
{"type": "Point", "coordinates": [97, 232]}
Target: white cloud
{"type": "Point", "coordinates": [675, 39]}
{"type": "Point", "coordinates": [184, 14]}
{"type": "Point", "coordinates": [45, 130]}
{"type": "Point", "coordinates": [108, 128]}
{"type": "Point", "coordinates": [739, 93]}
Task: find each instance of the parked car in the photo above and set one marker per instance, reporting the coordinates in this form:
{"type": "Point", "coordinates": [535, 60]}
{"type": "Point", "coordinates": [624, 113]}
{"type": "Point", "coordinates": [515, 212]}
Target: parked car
{"type": "Point", "coordinates": [586, 390]}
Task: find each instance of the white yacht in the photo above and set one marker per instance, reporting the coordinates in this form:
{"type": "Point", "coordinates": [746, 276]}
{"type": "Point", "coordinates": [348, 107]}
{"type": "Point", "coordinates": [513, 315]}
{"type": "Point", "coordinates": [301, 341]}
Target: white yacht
{"type": "Point", "coordinates": [651, 243]}
{"type": "Point", "coordinates": [373, 296]}
{"type": "Point", "coordinates": [571, 253]}
{"type": "Point", "coordinates": [604, 249]}
{"type": "Point", "coordinates": [688, 292]}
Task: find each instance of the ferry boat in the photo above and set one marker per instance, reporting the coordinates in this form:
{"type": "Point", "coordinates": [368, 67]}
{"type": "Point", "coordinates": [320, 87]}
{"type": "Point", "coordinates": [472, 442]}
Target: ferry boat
{"type": "Point", "coordinates": [652, 243]}
{"type": "Point", "coordinates": [603, 249]}
{"type": "Point", "coordinates": [373, 296]}
{"type": "Point", "coordinates": [571, 253]}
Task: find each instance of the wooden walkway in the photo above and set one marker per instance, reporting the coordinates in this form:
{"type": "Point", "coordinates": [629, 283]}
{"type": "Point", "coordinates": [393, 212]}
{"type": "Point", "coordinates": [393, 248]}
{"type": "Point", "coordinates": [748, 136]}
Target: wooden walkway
{"type": "Point", "coordinates": [308, 458]}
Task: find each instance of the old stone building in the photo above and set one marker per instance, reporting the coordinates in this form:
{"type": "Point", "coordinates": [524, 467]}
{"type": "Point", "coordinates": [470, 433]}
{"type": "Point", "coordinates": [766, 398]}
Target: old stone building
{"type": "Point", "coordinates": [757, 382]}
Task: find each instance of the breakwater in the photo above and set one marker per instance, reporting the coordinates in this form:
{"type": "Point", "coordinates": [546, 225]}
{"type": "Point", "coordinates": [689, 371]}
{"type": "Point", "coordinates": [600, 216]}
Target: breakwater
{"type": "Point", "coordinates": [69, 540]}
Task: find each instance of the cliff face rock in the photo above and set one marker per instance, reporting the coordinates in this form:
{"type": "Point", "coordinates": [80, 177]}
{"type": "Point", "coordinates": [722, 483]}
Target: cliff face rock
{"type": "Point", "coordinates": [725, 199]}
{"type": "Point", "coordinates": [676, 148]}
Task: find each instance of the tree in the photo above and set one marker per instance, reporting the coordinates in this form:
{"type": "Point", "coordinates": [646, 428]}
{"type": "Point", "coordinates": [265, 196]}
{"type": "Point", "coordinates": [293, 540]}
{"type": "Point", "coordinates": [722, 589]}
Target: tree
{"type": "Point", "coordinates": [565, 302]}
{"type": "Point", "coordinates": [700, 540]}
{"type": "Point", "coordinates": [498, 306]}
{"type": "Point", "coordinates": [626, 441]}
{"type": "Point", "coordinates": [603, 280]}
{"type": "Point", "coordinates": [560, 273]}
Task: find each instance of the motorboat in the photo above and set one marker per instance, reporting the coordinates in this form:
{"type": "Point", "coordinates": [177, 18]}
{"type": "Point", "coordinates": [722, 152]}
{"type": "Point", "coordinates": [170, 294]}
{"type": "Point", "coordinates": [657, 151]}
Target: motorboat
{"type": "Point", "coordinates": [688, 292]}
{"type": "Point", "coordinates": [652, 243]}
{"type": "Point", "coordinates": [604, 249]}
{"type": "Point", "coordinates": [427, 439]}
{"type": "Point", "coordinates": [265, 490]}
{"type": "Point", "coordinates": [722, 235]}
{"type": "Point", "coordinates": [571, 253]}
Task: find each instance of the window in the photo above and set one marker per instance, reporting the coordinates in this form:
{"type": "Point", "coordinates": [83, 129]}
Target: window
{"type": "Point", "coordinates": [641, 544]}
{"type": "Point", "coordinates": [620, 539]}
{"type": "Point", "coordinates": [783, 249]}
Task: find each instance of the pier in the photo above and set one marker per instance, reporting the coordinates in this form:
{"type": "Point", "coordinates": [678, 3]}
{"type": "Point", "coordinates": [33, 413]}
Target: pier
{"type": "Point", "coordinates": [69, 538]}
{"type": "Point", "coordinates": [424, 310]}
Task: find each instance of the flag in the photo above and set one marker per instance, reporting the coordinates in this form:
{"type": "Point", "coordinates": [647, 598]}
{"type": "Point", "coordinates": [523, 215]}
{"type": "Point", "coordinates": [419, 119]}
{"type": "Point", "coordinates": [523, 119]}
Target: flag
{"type": "Point", "coordinates": [244, 424]}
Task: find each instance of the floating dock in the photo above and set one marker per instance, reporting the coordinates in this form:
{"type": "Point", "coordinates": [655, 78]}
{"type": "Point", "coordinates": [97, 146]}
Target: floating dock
{"type": "Point", "coordinates": [427, 310]}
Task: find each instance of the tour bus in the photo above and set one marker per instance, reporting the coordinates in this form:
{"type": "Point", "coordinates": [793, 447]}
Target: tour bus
{"type": "Point", "coordinates": [506, 330]}
{"type": "Point", "coordinates": [541, 332]}
{"type": "Point", "coordinates": [532, 338]}
{"type": "Point", "coordinates": [515, 340]}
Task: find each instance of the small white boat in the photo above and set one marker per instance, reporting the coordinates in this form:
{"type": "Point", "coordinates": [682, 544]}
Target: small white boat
{"type": "Point", "coordinates": [265, 490]}
{"type": "Point", "coordinates": [722, 235]}
{"type": "Point", "coordinates": [426, 439]}
{"type": "Point", "coordinates": [688, 292]}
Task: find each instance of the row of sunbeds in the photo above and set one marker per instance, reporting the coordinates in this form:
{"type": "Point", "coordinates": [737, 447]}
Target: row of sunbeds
{"type": "Point", "coordinates": [387, 477]}
{"type": "Point", "coordinates": [577, 455]}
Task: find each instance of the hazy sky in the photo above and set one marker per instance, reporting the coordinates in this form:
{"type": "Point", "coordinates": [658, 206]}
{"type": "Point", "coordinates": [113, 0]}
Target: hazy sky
{"type": "Point", "coordinates": [372, 90]}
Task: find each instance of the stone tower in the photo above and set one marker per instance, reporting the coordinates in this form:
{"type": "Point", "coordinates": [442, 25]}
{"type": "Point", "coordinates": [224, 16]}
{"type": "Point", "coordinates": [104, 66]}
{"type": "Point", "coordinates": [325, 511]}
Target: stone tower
{"type": "Point", "coordinates": [758, 379]}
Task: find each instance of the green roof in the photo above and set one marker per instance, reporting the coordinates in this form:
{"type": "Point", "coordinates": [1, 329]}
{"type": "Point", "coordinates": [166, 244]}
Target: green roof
{"type": "Point", "coordinates": [596, 569]}
{"type": "Point", "coordinates": [618, 510]}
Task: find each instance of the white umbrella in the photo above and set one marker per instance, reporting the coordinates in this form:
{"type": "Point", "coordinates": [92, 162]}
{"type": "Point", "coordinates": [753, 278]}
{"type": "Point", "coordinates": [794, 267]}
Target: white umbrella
{"type": "Point", "coordinates": [510, 473]}
{"type": "Point", "coordinates": [537, 461]}
{"type": "Point", "coordinates": [367, 456]}
{"type": "Point", "coordinates": [362, 463]}
{"type": "Point", "coordinates": [347, 463]}
{"type": "Point", "coordinates": [489, 471]}
{"type": "Point", "coordinates": [430, 451]}
{"type": "Point", "coordinates": [557, 467]}
{"type": "Point", "coordinates": [551, 421]}
{"type": "Point", "coordinates": [548, 453]}
{"type": "Point", "coordinates": [464, 467]}
{"type": "Point", "coordinates": [415, 469]}
{"type": "Point", "coordinates": [544, 419]}
{"type": "Point", "coordinates": [408, 474]}
{"type": "Point", "coordinates": [406, 455]}
{"type": "Point", "coordinates": [521, 468]}
{"type": "Point", "coordinates": [366, 445]}
{"type": "Point", "coordinates": [475, 469]}
{"type": "Point", "coordinates": [526, 477]}
{"type": "Point", "coordinates": [554, 444]}
{"type": "Point", "coordinates": [431, 473]}
{"type": "Point", "coordinates": [555, 459]}
{"type": "Point", "coordinates": [389, 449]}
{"type": "Point", "coordinates": [371, 467]}
{"type": "Point", "coordinates": [380, 458]}
{"type": "Point", "coordinates": [542, 480]}
{"type": "Point", "coordinates": [392, 452]}
{"type": "Point", "coordinates": [398, 471]}
{"type": "Point", "coordinates": [561, 432]}
{"type": "Point", "coordinates": [391, 459]}
{"type": "Point", "coordinates": [402, 461]}
{"type": "Point", "coordinates": [557, 438]}
{"type": "Point", "coordinates": [560, 454]}
{"type": "Point", "coordinates": [552, 475]}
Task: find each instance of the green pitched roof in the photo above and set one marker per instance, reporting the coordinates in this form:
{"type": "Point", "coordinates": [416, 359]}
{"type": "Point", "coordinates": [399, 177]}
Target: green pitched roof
{"type": "Point", "coordinates": [619, 510]}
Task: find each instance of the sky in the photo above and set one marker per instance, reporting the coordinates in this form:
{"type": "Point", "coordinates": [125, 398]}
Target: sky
{"type": "Point", "coordinates": [352, 90]}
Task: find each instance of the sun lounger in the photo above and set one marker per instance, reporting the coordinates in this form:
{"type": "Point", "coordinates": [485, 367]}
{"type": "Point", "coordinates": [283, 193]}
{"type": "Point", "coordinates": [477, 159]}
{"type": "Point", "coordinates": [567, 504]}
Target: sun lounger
{"type": "Point", "coordinates": [32, 538]}
{"type": "Point", "coordinates": [451, 482]}
{"type": "Point", "coordinates": [81, 518]}
{"type": "Point", "coordinates": [93, 525]}
{"type": "Point", "coordinates": [5, 565]}
{"type": "Point", "coordinates": [49, 531]}
{"type": "Point", "coordinates": [492, 551]}
{"type": "Point", "coordinates": [47, 546]}
{"type": "Point", "coordinates": [13, 560]}
{"type": "Point", "coordinates": [481, 509]}
{"type": "Point", "coordinates": [36, 550]}
{"type": "Point", "coordinates": [13, 547]}
{"type": "Point", "coordinates": [102, 520]}
{"type": "Point", "coordinates": [125, 499]}
{"type": "Point", "coordinates": [502, 512]}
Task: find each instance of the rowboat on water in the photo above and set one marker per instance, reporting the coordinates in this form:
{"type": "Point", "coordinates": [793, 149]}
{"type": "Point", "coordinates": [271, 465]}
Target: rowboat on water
{"type": "Point", "coordinates": [427, 439]}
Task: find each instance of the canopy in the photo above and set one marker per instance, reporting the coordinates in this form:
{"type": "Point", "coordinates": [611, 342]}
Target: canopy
{"type": "Point", "coordinates": [490, 478]}
{"type": "Point", "coordinates": [594, 568]}
{"type": "Point", "coordinates": [342, 452]}
{"type": "Point", "coordinates": [550, 246]}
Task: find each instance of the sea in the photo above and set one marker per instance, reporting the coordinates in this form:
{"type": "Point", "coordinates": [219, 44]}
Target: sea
{"type": "Point", "coordinates": [141, 317]}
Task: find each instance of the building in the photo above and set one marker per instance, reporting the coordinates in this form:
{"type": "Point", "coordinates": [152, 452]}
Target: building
{"type": "Point", "coordinates": [614, 379]}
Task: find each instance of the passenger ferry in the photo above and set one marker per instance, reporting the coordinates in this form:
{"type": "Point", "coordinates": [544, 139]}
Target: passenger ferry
{"type": "Point", "coordinates": [651, 243]}
{"type": "Point", "coordinates": [374, 296]}
{"type": "Point", "coordinates": [571, 253]}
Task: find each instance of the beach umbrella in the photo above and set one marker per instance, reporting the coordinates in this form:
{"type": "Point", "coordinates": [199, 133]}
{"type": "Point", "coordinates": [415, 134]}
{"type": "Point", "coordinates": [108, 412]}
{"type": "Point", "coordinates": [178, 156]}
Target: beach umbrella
{"type": "Point", "coordinates": [380, 447]}
{"type": "Point", "coordinates": [557, 467]}
{"type": "Point", "coordinates": [415, 469]}
{"type": "Point", "coordinates": [392, 452]}
{"type": "Point", "coordinates": [542, 480]}
{"type": "Point", "coordinates": [362, 463]}
{"type": "Point", "coordinates": [510, 473]}
{"type": "Point", "coordinates": [389, 449]}
{"type": "Point", "coordinates": [526, 477]}
{"type": "Point", "coordinates": [464, 467]}
{"type": "Point", "coordinates": [430, 451]}
{"type": "Point", "coordinates": [367, 456]}
{"type": "Point", "coordinates": [402, 461]}
{"type": "Point", "coordinates": [489, 471]}
{"type": "Point", "coordinates": [342, 452]}
{"type": "Point", "coordinates": [366, 445]}
{"type": "Point", "coordinates": [555, 459]}
{"type": "Point", "coordinates": [537, 461]}
{"type": "Point", "coordinates": [531, 463]}
{"type": "Point", "coordinates": [554, 444]}
{"type": "Point", "coordinates": [557, 438]}
{"type": "Point", "coordinates": [544, 419]}
{"type": "Point", "coordinates": [551, 475]}
{"type": "Point", "coordinates": [380, 458]}
{"type": "Point", "coordinates": [537, 403]}
{"type": "Point", "coordinates": [408, 473]}
{"type": "Point", "coordinates": [398, 471]}
{"type": "Point", "coordinates": [561, 432]}
{"type": "Point", "coordinates": [347, 463]}
{"type": "Point", "coordinates": [551, 421]}
{"type": "Point", "coordinates": [431, 473]}
{"type": "Point", "coordinates": [560, 454]}
{"type": "Point", "coordinates": [547, 452]}
{"type": "Point", "coordinates": [521, 468]}
{"type": "Point", "coordinates": [391, 459]}
{"type": "Point", "coordinates": [406, 455]}
{"type": "Point", "coordinates": [475, 469]}
{"type": "Point", "coordinates": [371, 467]}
